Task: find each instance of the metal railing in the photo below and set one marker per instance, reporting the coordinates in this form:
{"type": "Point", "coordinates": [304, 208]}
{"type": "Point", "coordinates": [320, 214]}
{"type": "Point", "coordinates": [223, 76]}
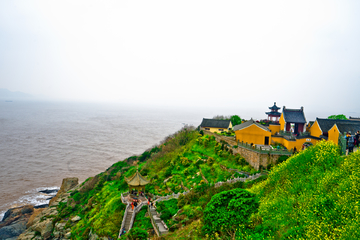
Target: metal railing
{"type": "Point", "coordinates": [260, 149]}
{"type": "Point", "coordinates": [304, 134]}
{"type": "Point", "coordinates": [234, 180]}
{"type": "Point", "coordinates": [285, 133]}
{"type": "Point", "coordinates": [168, 197]}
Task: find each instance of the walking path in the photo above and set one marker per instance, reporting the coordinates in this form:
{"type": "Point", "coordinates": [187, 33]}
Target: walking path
{"type": "Point", "coordinates": [159, 225]}
{"type": "Point", "coordinates": [129, 215]}
{"type": "Point", "coordinates": [218, 184]}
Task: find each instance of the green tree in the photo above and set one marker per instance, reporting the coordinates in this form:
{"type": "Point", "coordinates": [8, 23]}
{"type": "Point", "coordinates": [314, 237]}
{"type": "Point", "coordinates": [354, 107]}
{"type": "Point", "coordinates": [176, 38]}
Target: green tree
{"type": "Point", "coordinates": [235, 120]}
{"type": "Point", "coordinates": [137, 234]}
{"type": "Point", "coordinates": [221, 117]}
{"type": "Point", "coordinates": [340, 116]}
{"type": "Point", "coordinates": [227, 210]}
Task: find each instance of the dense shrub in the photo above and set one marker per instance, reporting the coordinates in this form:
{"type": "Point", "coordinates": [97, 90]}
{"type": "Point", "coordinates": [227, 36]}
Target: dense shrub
{"type": "Point", "coordinates": [141, 221]}
{"type": "Point", "coordinates": [312, 195]}
{"type": "Point", "coordinates": [282, 159]}
{"type": "Point", "coordinates": [227, 210]}
{"type": "Point", "coordinates": [137, 234]}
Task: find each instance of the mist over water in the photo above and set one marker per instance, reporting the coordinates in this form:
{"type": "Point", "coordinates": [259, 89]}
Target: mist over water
{"type": "Point", "coordinates": [43, 142]}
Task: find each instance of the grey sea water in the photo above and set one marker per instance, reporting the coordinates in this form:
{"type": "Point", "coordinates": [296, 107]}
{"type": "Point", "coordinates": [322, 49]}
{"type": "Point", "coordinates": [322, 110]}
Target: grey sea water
{"type": "Point", "coordinates": [43, 142]}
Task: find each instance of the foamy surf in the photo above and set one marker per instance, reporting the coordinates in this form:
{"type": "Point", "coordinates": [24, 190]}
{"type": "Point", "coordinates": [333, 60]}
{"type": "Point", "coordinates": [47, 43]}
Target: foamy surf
{"type": "Point", "coordinates": [33, 197]}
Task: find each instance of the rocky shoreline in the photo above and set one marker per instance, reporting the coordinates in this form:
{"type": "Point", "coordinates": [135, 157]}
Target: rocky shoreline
{"type": "Point", "coordinates": [36, 222]}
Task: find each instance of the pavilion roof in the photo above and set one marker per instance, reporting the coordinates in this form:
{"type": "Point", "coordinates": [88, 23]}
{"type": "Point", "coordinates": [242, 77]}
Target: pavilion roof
{"type": "Point", "coordinates": [274, 107]}
{"type": "Point", "coordinates": [137, 180]}
{"type": "Point", "coordinates": [273, 113]}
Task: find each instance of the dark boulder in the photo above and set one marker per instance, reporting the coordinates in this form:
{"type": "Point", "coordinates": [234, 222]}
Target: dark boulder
{"type": "Point", "coordinates": [48, 191]}
{"type": "Point", "coordinates": [41, 206]}
{"type": "Point", "coordinates": [14, 221]}
{"type": "Point", "coordinates": [13, 230]}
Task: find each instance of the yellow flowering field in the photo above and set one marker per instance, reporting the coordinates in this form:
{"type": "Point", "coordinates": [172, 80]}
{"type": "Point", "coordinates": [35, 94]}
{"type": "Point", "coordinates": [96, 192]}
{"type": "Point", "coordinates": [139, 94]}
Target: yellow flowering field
{"type": "Point", "coordinates": [312, 195]}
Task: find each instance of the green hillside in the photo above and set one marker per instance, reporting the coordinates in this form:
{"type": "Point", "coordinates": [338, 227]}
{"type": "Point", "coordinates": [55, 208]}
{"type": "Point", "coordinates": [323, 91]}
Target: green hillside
{"type": "Point", "coordinates": [312, 195]}
{"type": "Point", "coordinates": [186, 160]}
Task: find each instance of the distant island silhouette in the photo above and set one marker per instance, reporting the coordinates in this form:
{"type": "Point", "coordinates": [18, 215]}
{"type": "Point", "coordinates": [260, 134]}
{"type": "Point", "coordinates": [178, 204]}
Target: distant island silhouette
{"type": "Point", "coordinates": [9, 96]}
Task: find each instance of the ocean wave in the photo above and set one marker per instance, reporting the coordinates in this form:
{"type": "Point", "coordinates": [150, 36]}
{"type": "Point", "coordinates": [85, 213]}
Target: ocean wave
{"type": "Point", "coordinates": [32, 197]}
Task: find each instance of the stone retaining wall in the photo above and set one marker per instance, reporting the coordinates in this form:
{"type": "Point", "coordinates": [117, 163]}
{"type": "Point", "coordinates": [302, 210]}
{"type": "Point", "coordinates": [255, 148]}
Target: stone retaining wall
{"type": "Point", "coordinates": [254, 158]}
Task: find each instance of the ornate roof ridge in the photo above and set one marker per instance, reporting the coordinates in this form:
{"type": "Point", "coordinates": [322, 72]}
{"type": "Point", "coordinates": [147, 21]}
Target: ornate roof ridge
{"type": "Point", "coordinates": [137, 180]}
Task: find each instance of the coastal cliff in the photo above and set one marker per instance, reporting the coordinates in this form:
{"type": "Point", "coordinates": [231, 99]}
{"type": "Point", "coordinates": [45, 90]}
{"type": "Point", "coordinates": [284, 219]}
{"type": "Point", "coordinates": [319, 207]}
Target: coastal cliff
{"type": "Point", "coordinates": [310, 195]}
{"type": "Point", "coordinates": [15, 220]}
{"type": "Point", "coordinates": [40, 223]}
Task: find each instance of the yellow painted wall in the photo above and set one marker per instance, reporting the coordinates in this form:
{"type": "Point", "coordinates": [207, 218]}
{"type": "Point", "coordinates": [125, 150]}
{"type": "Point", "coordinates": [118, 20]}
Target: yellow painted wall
{"type": "Point", "coordinates": [218, 129]}
{"type": "Point", "coordinates": [308, 127]}
{"type": "Point", "coordinates": [277, 139]}
{"type": "Point", "coordinates": [286, 143]}
{"type": "Point", "coordinates": [274, 128]}
{"type": "Point", "coordinates": [315, 130]}
{"type": "Point", "coordinates": [282, 121]}
{"type": "Point", "coordinates": [215, 129]}
{"type": "Point", "coordinates": [333, 134]}
{"type": "Point", "coordinates": [291, 144]}
{"type": "Point", "coordinates": [252, 134]}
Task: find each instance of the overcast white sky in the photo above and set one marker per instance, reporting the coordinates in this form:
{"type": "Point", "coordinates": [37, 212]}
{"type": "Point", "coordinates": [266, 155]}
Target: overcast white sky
{"type": "Point", "coordinates": [241, 54]}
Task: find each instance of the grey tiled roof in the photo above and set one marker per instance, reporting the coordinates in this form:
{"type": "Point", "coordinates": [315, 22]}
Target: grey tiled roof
{"type": "Point", "coordinates": [354, 118]}
{"type": "Point", "coordinates": [273, 113]}
{"type": "Point", "coordinates": [249, 123]}
{"type": "Point", "coordinates": [274, 107]}
{"type": "Point", "coordinates": [343, 125]}
{"type": "Point", "coordinates": [215, 123]}
{"type": "Point", "coordinates": [294, 115]}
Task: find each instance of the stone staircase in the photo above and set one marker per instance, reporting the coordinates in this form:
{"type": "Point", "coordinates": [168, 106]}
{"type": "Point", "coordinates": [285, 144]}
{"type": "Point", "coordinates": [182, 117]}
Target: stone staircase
{"type": "Point", "coordinates": [159, 225]}
{"type": "Point", "coordinates": [129, 215]}
{"type": "Point", "coordinates": [128, 220]}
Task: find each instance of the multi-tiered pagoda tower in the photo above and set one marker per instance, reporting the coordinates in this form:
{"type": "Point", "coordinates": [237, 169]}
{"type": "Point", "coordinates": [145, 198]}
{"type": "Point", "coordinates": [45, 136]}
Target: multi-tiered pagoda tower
{"type": "Point", "coordinates": [274, 115]}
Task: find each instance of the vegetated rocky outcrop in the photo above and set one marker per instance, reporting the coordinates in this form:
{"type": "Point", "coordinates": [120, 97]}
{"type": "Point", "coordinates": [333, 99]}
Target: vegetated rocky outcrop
{"type": "Point", "coordinates": [94, 209]}
{"type": "Point", "coordinates": [40, 224]}
{"type": "Point", "coordinates": [15, 220]}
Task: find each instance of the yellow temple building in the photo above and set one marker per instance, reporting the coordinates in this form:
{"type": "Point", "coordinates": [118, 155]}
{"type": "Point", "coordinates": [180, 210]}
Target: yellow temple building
{"type": "Point", "coordinates": [292, 130]}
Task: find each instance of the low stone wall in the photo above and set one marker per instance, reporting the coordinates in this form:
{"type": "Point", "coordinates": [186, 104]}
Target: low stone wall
{"type": "Point", "coordinates": [254, 158]}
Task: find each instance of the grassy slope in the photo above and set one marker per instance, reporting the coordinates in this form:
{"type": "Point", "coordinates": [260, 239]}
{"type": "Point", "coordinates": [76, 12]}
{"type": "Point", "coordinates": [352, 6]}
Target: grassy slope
{"type": "Point", "coordinates": [313, 195]}
{"type": "Point", "coordinates": [98, 203]}
{"type": "Point", "coordinates": [142, 219]}
{"type": "Point", "coordinates": [180, 157]}
{"type": "Point", "coordinates": [183, 165]}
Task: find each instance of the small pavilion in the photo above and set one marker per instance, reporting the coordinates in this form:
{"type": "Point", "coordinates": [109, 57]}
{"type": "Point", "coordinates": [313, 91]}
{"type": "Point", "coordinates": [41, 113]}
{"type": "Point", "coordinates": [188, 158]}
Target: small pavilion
{"type": "Point", "coordinates": [137, 181]}
{"type": "Point", "coordinates": [274, 115]}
